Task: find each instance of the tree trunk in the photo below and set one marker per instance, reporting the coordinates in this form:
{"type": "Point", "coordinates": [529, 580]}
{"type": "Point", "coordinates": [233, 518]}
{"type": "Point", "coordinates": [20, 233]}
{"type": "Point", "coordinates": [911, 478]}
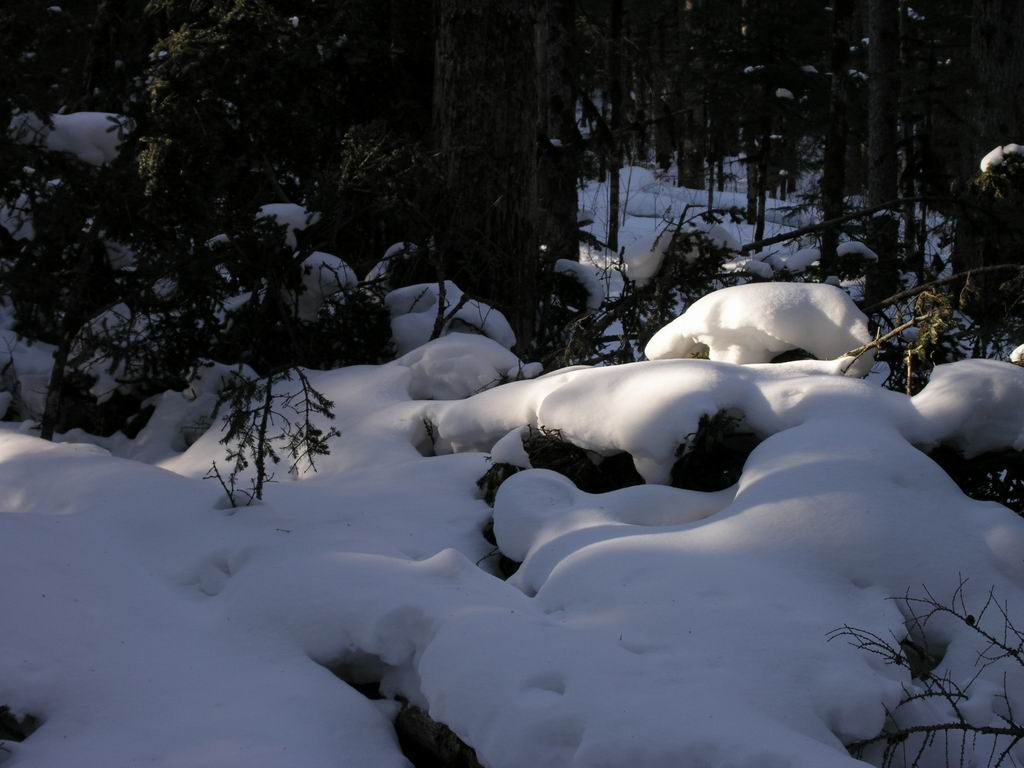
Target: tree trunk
{"type": "Point", "coordinates": [909, 170]}
{"type": "Point", "coordinates": [662, 81]}
{"type": "Point", "coordinates": [485, 126]}
{"type": "Point", "coordinates": [883, 63]}
{"type": "Point", "coordinates": [997, 55]}
{"type": "Point", "coordinates": [55, 389]}
{"type": "Point", "coordinates": [559, 159]}
{"type": "Point", "coordinates": [763, 161]}
{"type": "Point", "coordinates": [682, 75]}
{"type": "Point", "coordinates": [833, 178]}
{"type": "Point", "coordinates": [616, 104]}
{"type": "Point", "coordinates": [997, 50]}
{"type": "Point", "coordinates": [750, 162]}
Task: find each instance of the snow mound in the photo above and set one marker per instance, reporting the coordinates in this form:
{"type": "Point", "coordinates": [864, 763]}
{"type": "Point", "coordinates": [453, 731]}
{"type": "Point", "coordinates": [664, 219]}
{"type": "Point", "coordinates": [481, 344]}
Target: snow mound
{"type": "Point", "coordinates": [587, 276]}
{"type": "Point", "coordinates": [648, 626]}
{"type": "Point", "coordinates": [754, 323]}
{"type": "Point", "coordinates": [998, 156]}
{"type": "Point", "coordinates": [414, 312]}
{"type": "Point", "coordinates": [642, 259]}
{"type": "Point", "coordinates": [395, 253]}
{"type": "Point", "coordinates": [294, 217]}
{"type": "Point", "coordinates": [856, 248]}
{"type": "Point", "coordinates": [92, 137]}
{"type": "Point", "coordinates": [323, 275]}
{"type": "Point", "coordinates": [975, 405]}
{"type": "Point", "coordinates": [649, 409]}
{"type": "Point", "coordinates": [1017, 356]}
{"type": "Point", "coordinates": [459, 365]}
{"type": "Point", "coordinates": [750, 266]}
{"type": "Point", "coordinates": [796, 261]}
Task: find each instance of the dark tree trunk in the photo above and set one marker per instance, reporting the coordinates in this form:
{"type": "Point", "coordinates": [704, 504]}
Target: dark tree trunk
{"type": "Point", "coordinates": [663, 140]}
{"type": "Point", "coordinates": [883, 63]}
{"type": "Point", "coordinates": [55, 389]}
{"type": "Point", "coordinates": [616, 103]}
{"type": "Point", "coordinates": [833, 178]}
{"type": "Point", "coordinates": [997, 55]}
{"type": "Point", "coordinates": [997, 50]}
{"type": "Point", "coordinates": [908, 186]}
{"type": "Point", "coordinates": [559, 159]}
{"type": "Point", "coordinates": [485, 125]}
{"type": "Point", "coordinates": [751, 165]}
{"type": "Point", "coordinates": [681, 119]}
{"type": "Point", "coordinates": [763, 165]}
{"type": "Point", "coordinates": [99, 59]}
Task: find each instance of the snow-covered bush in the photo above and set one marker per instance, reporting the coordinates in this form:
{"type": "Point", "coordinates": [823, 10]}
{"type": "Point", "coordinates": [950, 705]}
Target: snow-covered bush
{"type": "Point", "coordinates": [755, 323]}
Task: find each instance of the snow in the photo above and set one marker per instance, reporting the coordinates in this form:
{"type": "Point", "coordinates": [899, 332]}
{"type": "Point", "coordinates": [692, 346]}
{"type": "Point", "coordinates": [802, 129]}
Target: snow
{"type": "Point", "coordinates": [642, 259]}
{"type": "Point", "coordinates": [797, 261]}
{"type": "Point", "coordinates": [458, 365]}
{"type": "Point", "coordinates": [92, 137]}
{"type": "Point", "coordinates": [16, 218]}
{"type": "Point", "coordinates": [414, 312]}
{"type": "Point", "coordinates": [754, 323]}
{"type": "Point", "coordinates": [784, 93]}
{"type": "Point", "coordinates": [975, 405]}
{"type": "Point", "coordinates": [854, 247]}
{"type": "Point", "coordinates": [1017, 356]}
{"type": "Point", "coordinates": [587, 276]}
{"type": "Point", "coordinates": [25, 368]}
{"type": "Point", "coordinates": [998, 156]}
{"type": "Point", "coordinates": [395, 252]}
{"type": "Point", "coordinates": [293, 217]}
{"type": "Point", "coordinates": [323, 275]}
{"type": "Point", "coordinates": [648, 626]}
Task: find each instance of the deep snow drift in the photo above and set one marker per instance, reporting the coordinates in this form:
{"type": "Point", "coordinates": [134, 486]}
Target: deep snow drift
{"type": "Point", "coordinates": [649, 626]}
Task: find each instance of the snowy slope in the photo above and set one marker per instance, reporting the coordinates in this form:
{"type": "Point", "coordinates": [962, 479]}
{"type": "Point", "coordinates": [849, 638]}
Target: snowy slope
{"type": "Point", "coordinates": [649, 626]}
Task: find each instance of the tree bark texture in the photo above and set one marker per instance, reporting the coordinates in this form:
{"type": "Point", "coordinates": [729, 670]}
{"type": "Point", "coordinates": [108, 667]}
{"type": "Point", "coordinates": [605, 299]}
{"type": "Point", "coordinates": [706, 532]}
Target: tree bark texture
{"type": "Point", "coordinates": [997, 51]}
{"type": "Point", "coordinates": [883, 164]}
{"type": "Point", "coordinates": [559, 156]}
{"type": "Point", "coordinates": [833, 179]}
{"type": "Point", "coordinates": [485, 131]}
{"type": "Point", "coordinates": [617, 102]}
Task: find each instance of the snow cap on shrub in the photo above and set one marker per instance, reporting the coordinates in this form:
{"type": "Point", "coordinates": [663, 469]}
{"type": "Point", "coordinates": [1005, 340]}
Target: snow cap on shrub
{"type": "Point", "coordinates": [755, 323]}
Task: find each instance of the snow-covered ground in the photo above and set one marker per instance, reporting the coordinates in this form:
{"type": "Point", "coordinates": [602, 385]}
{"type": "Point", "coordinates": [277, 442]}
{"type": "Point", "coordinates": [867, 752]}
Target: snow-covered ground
{"type": "Point", "coordinates": [145, 622]}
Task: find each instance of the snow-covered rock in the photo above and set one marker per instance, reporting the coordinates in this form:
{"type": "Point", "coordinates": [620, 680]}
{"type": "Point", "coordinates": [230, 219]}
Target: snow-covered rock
{"type": "Point", "coordinates": [754, 323]}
